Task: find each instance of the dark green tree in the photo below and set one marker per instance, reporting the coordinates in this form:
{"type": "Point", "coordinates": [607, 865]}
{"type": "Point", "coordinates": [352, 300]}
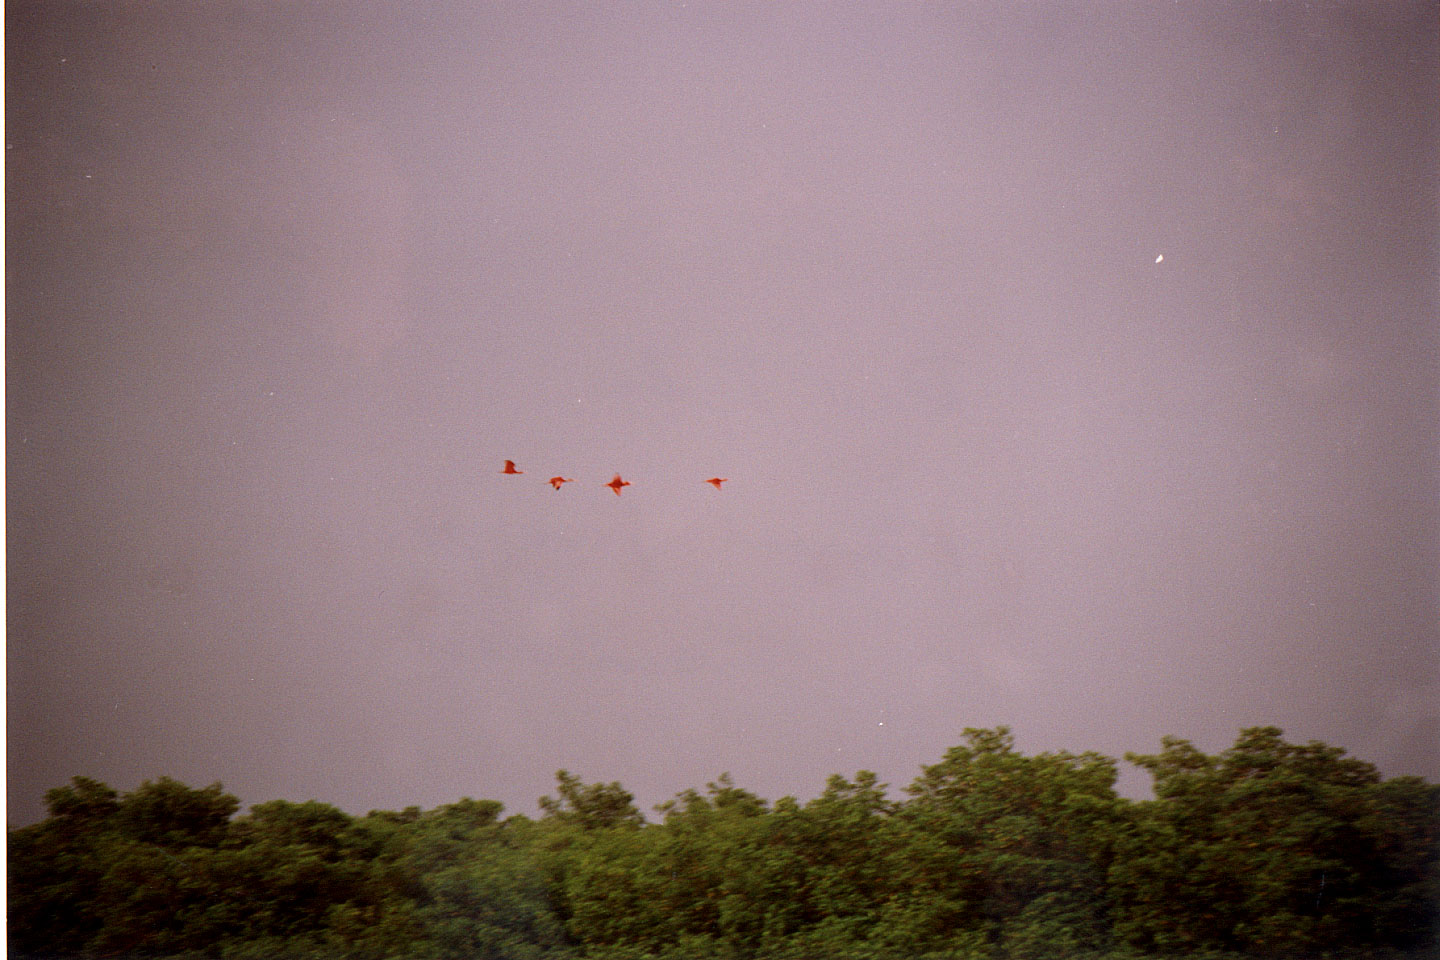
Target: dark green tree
{"type": "Point", "coordinates": [1008, 846]}
{"type": "Point", "coordinates": [721, 875]}
{"type": "Point", "coordinates": [1401, 825]}
{"type": "Point", "coordinates": [693, 886]}
{"type": "Point", "coordinates": [1274, 849]}
{"type": "Point", "coordinates": [592, 806]}
{"type": "Point", "coordinates": [84, 806]}
{"type": "Point", "coordinates": [290, 867]}
{"type": "Point", "coordinates": [1269, 849]}
{"type": "Point", "coordinates": [169, 814]}
{"type": "Point", "coordinates": [842, 842]}
{"type": "Point", "coordinates": [481, 889]}
{"type": "Point", "coordinates": [110, 874]}
{"type": "Point", "coordinates": [55, 867]}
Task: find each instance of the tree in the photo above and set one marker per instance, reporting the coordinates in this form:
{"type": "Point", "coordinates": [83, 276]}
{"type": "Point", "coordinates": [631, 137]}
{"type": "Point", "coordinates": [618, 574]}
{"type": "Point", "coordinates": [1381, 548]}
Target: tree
{"type": "Point", "coordinates": [55, 867]}
{"type": "Point", "coordinates": [996, 838]}
{"type": "Point", "coordinates": [1401, 822]}
{"type": "Point", "coordinates": [485, 894]}
{"type": "Point", "coordinates": [169, 814]}
{"type": "Point", "coordinates": [593, 806]}
{"type": "Point", "coordinates": [85, 806]}
{"type": "Point", "coordinates": [1273, 848]}
{"type": "Point", "coordinates": [721, 876]}
{"type": "Point", "coordinates": [1269, 849]}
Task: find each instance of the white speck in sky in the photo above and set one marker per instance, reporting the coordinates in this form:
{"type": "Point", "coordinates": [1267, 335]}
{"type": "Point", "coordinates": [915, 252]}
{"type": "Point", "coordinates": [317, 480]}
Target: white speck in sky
{"type": "Point", "coordinates": [1160, 258]}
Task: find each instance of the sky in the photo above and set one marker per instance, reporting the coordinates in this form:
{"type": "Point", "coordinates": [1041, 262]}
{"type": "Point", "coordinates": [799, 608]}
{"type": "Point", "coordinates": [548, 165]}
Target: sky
{"type": "Point", "coordinates": [1073, 365]}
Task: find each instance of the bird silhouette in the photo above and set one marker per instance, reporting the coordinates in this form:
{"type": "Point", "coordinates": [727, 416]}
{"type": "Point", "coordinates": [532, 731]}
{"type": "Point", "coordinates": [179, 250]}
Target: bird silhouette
{"type": "Point", "coordinates": [556, 481]}
{"type": "Point", "coordinates": [510, 467]}
{"type": "Point", "coordinates": [716, 481]}
{"type": "Point", "coordinates": [617, 483]}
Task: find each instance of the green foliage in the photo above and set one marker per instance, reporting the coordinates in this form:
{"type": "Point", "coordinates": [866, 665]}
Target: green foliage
{"type": "Point", "coordinates": [1275, 849]}
{"type": "Point", "coordinates": [167, 813]}
{"type": "Point", "coordinates": [1269, 849]}
{"type": "Point", "coordinates": [997, 832]}
{"type": "Point", "coordinates": [84, 806]}
{"type": "Point", "coordinates": [491, 900]}
{"type": "Point", "coordinates": [595, 806]}
{"type": "Point", "coordinates": [54, 868]}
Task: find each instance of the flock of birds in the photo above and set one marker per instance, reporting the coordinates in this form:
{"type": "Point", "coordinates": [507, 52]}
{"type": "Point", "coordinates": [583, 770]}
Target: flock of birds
{"type": "Point", "coordinates": [616, 484]}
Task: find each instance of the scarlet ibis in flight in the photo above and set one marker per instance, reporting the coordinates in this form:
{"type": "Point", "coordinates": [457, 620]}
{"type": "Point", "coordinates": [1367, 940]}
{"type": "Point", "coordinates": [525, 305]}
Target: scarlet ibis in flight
{"type": "Point", "coordinates": [716, 481]}
{"type": "Point", "coordinates": [617, 483]}
{"type": "Point", "coordinates": [556, 481]}
{"type": "Point", "coordinates": [510, 467]}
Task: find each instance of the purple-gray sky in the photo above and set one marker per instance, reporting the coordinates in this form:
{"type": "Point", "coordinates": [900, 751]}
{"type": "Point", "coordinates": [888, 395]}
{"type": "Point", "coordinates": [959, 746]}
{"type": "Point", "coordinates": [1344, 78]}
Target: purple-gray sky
{"type": "Point", "coordinates": [288, 282]}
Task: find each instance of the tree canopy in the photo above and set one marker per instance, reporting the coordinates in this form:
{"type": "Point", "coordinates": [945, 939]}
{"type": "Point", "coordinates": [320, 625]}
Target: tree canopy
{"type": "Point", "coordinates": [1268, 849]}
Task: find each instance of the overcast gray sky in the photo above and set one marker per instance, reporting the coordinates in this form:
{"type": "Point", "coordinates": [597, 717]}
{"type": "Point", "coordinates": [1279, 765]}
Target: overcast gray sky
{"type": "Point", "coordinates": [1074, 366]}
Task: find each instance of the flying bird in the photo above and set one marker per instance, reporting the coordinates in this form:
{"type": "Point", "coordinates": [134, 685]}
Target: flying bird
{"type": "Point", "coordinates": [716, 481]}
{"type": "Point", "coordinates": [510, 467]}
{"type": "Point", "coordinates": [556, 481]}
{"type": "Point", "coordinates": [617, 483]}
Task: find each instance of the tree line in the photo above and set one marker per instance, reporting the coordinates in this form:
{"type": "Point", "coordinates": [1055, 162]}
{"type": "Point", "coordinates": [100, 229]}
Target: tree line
{"type": "Point", "coordinates": [1268, 849]}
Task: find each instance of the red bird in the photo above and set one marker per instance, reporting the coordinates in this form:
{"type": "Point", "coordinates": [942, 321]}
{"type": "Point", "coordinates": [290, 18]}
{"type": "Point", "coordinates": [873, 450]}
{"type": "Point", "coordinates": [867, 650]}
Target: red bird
{"type": "Point", "coordinates": [510, 467]}
{"type": "Point", "coordinates": [556, 481]}
{"type": "Point", "coordinates": [617, 483]}
{"type": "Point", "coordinates": [716, 481]}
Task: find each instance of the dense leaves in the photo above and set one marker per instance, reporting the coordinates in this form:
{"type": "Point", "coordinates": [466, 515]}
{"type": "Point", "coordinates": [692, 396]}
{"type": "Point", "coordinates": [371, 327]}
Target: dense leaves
{"type": "Point", "coordinates": [1269, 849]}
{"type": "Point", "coordinates": [1276, 849]}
